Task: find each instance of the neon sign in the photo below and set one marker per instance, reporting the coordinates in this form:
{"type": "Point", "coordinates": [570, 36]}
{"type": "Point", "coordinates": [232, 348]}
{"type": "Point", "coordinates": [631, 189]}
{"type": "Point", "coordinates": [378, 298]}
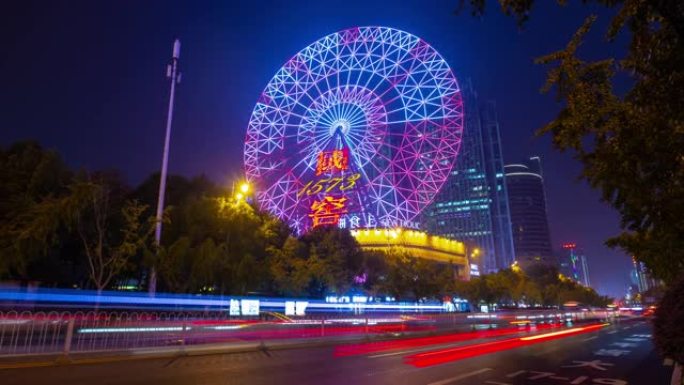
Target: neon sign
{"type": "Point", "coordinates": [328, 185]}
{"type": "Point", "coordinates": [327, 211]}
{"type": "Point", "coordinates": [330, 161]}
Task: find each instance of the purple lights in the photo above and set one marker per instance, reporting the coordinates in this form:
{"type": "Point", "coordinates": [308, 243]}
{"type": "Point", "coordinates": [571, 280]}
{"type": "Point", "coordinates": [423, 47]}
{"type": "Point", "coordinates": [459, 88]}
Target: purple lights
{"type": "Point", "coordinates": [383, 94]}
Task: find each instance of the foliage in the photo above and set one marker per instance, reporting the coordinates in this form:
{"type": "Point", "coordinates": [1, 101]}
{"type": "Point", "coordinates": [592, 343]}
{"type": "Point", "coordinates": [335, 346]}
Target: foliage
{"type": "Point", "coordinates": [290, 268]}
{"type": "Point", "coordinates": [540, 286]}
{"type": "Point", "coordinates": [218, 245]}
{"type": "Point", "coordinates": [631, 145]}
{"type": "Point", "coordinates": [214, 244]}
{"type": "Point", "coordinates": [336, 257]}
{"type": "Point", "coordinates": [668, 321]}
{"type": "Point", "coordinates": [110, 232]}
{"type": "Point", "coordinates": [408, 277]}
{"type": "Point", "coordinates": [28, 174]}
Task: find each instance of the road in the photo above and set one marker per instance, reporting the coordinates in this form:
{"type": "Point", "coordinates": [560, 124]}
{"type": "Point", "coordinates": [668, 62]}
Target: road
{"type": "Point", "coordinates": [618, 354]}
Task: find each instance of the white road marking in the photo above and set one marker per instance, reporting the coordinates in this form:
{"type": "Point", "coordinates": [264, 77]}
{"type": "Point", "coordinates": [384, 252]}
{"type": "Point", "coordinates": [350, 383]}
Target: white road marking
{"type": "Point", "coordinates": [462, 376]}
{"type": "Point", "coordinates": [393, 354]}
{"type": "Point", "coordinates": [590, 338]}
{"type": "Point", "coordinates": [595, 364]}
{"type": "Point", "coordinates": [417, 350]}
{"type": "Point", "coordinates": [612, 332]}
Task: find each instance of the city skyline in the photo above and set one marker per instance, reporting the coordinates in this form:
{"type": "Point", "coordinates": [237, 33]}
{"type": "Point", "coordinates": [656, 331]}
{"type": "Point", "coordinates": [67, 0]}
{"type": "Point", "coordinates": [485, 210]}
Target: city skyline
{"type": "Point", "coordinates": [127, 56]}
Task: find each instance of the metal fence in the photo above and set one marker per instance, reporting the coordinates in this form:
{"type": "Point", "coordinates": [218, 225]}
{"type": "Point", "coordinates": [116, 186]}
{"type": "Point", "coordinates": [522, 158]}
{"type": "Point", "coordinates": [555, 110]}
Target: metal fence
{"type": "Point", "coordinates": [30, 333]}
{"type": "Point", "coordinates": [54, 332]}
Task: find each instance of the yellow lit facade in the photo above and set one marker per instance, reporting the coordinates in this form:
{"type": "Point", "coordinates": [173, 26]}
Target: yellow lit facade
{"type": "Point", "coordinates": [417, 243]}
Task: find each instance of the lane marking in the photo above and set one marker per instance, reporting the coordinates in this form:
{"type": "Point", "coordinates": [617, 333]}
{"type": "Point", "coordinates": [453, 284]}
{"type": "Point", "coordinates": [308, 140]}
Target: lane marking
{"type": "Point", "coordinates": [417, 350]}
{"type": "Point", "coordinates": [462, 376]}
{"type": "Point", "coordinates": [590, 338]}
{"type": "Point", "coordinates": [394, 354]}
{"type": "Point", "coordinates": [612, 332]}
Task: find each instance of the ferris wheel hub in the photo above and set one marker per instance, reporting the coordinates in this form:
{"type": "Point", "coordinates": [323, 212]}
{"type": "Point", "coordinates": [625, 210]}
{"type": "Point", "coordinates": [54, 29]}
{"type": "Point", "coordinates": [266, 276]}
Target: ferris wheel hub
{"type": "Point", "coordinates": [342, 125]}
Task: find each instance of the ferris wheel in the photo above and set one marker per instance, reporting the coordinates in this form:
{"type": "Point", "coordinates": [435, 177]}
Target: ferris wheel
{"type": "Point", "coordinates": [362, 127]}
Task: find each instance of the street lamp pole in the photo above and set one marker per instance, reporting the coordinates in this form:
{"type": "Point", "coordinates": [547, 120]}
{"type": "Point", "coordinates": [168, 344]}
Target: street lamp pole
{"type": "Point", "coordinates": [172, 73]}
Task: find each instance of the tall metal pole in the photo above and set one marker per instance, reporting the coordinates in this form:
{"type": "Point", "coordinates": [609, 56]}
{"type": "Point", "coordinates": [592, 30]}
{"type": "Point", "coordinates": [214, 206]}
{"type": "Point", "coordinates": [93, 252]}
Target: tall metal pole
{"type": "Point", "coordinates": [173, 73]}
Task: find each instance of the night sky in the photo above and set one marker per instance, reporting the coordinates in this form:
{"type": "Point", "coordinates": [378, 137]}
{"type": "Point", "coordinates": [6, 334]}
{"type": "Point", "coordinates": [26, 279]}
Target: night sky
{"type": "Point", "coordinates": [88, 78]}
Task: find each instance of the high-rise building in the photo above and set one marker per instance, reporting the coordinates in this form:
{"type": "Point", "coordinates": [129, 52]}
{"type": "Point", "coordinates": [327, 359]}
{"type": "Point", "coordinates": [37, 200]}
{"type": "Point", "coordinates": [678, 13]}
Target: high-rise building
{"type": "Point", "coordinates": [472, 206]}
{"type": "Point", "coordinates": [584, 268]}
{"type": "Point", "coordinates": [641, 277]}
{"type": "Point", "coordinates": [573, 264]}
{"type": "Point", "coordinates": [504, 252]}
{"type": "Point", "coordinates": [527, 202]}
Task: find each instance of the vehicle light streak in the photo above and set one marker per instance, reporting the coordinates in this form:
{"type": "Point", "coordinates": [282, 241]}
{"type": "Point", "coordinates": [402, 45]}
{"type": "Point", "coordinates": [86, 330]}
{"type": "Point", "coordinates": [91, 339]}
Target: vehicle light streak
{"type": "Point", "coordinates": [368, 348]}
{"type": "Point", "coordinates": [442, 356]}
{"type": "Point", "coordinates": [175, 301]}
{"type": "Point", "coordinates": [562, 332]}
{"type": "Point", "coordinates": [132, 330]}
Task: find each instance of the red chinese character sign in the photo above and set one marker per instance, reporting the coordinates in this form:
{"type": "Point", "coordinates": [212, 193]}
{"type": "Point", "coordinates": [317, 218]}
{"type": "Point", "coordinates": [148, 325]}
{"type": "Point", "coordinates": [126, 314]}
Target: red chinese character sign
{"type": "Point", "coordinates": [327, 211]}
{"type": "Point", "coordinates": [371, 115]}
{"type": "Point", "coordinates": [330, 161]}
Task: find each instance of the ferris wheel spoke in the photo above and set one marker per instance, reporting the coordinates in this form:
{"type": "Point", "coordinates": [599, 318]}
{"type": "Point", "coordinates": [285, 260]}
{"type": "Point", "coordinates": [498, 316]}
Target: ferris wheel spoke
{"type": "Point", "coordinates": [397, 103]}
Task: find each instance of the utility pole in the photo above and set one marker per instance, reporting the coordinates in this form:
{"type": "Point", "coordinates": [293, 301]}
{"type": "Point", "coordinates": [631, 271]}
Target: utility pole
{"type": "Point", "coordinates": [175, 76]}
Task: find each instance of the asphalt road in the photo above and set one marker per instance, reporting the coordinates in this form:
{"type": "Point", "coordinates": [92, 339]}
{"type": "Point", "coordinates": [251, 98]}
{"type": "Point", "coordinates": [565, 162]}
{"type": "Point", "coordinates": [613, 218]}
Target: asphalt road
{"type": "Point", "coordinates": [619, 354]}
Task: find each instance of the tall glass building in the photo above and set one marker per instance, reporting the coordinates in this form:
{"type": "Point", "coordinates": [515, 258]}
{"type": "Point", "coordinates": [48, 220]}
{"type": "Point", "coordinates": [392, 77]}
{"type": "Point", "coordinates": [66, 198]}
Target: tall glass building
{"type": "Point", "coordinates": [472, 206]}
{"type": "Point", "coordinates": [572, 263]}
{"type": "Point", "coordinates": [527, 200]}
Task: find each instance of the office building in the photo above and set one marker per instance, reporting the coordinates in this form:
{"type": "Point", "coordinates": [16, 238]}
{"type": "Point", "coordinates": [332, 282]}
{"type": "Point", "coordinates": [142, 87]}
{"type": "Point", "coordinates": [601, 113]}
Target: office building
{"type": "Point", "coordinates": [641, 277]}
{"type": "Point", "coordinates": [527, 203]}
{"type": "Point", "coordinates": [573, 264]}
{"type": "Point", "coordinates": [472, 206]}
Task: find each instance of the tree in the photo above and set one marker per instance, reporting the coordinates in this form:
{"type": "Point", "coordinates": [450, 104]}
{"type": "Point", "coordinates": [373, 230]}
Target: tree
{"type": "Point", "coordinates": [631, 145]}
{"type": "Point", "coordinates": [111, 233]}
{"type": "Point", "coordinates": [29, 175]}
{"type": "Point", "coordinates": [668, 321]}
{"type": "Point", "coordinates": [336, 258]}
{"type": "Point", "coordinates": [375, 270]}
{"type": "Point", "coordinates": [289, 267]}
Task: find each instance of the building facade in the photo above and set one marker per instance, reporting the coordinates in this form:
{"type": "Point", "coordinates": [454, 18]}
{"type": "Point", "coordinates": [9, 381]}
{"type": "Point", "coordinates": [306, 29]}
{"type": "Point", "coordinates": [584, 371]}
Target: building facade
{"type": "Point", "coordinates": [418, 244]}
{"type": "Point", "coordinates": [472, 206]}
{"type": "Point", "coordinates": [573, 264]}
{"type": "Point", "coordinates": [527, 202]}
{"type": "Point", "coordinates": [641, 277]}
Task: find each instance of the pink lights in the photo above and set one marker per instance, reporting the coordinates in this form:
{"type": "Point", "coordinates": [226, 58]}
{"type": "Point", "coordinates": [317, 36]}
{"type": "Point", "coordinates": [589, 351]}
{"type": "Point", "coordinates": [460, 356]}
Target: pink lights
{"type": "Point", "coordinates": [383, 95]}
{"type": "Point", "coordinates": [442, 356]}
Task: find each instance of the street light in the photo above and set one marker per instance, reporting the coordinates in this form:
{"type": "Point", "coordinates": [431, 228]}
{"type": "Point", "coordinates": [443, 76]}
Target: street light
{"type": "Point", "coordinates": [244, 187]}
{"type": "Point", "coordinates": [516, 267]}
{"type": "Point", "coordinates": [243, 192]}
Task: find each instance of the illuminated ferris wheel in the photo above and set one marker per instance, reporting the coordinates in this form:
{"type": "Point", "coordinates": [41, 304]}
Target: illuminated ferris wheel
{"type": "Point", "coordinates": [359, 129]}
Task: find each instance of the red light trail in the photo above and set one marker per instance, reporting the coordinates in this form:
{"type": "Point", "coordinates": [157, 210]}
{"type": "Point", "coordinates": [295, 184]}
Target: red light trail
{"type": "Point", "coordinates": [367, 348]}
{"type": "Point", "coordinates": [442, 356]}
